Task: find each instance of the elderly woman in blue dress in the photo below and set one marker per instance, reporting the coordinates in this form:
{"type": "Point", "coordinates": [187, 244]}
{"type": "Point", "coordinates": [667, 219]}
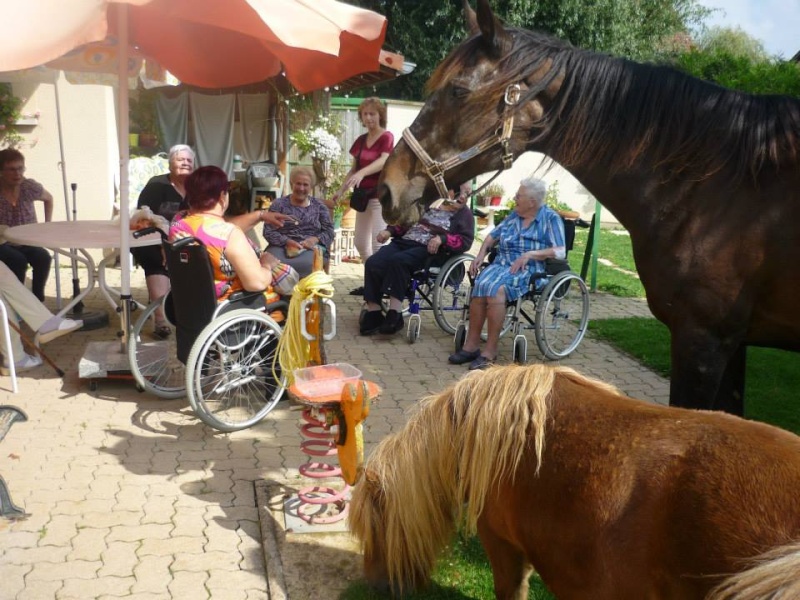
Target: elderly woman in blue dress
{"type": "Point", "coordinates": [529, 235]}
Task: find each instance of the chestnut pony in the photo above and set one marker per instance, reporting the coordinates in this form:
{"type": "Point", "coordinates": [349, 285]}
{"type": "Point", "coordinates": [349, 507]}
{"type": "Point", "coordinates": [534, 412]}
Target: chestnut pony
{"type": "Point", "coordinates": [606, 497]}
{"type": "Point", "coordinates": [705, 179]}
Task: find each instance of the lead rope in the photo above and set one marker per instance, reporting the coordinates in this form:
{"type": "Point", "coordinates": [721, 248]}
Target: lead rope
{"type": "Point", "coordinates": [293, 349]}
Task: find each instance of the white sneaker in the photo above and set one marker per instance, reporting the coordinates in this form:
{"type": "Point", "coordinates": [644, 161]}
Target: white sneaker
{"type": "Point", "coordinates": [63, 327]}
{"type": "Point", "coordinates": [25, 363]}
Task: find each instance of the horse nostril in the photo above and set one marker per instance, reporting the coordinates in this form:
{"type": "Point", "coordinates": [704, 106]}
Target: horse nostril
{"type": "Point", "coordinates": [384, 194]}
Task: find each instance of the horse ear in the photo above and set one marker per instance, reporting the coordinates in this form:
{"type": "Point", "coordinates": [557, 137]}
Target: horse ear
{"type": "Point", "coordinates": [472, 20]}
{"type": "Point", "coordinates": [491, 29]}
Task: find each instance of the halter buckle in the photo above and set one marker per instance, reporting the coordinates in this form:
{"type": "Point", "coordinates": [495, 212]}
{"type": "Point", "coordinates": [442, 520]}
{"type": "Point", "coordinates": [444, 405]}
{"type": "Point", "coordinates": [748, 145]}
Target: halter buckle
{"type": "Point", "coordinates": [513, 93]}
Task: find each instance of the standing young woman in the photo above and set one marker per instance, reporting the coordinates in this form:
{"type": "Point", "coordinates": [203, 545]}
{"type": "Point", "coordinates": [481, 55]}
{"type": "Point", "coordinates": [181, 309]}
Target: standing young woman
{"type": "Point", "coordinates": [369, 152]}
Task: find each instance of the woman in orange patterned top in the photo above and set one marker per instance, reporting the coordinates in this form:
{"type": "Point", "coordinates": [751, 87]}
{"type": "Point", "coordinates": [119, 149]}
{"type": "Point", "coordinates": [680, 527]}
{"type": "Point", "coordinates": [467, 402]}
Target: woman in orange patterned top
{"type": "Point", "coordinates": [236, 263]}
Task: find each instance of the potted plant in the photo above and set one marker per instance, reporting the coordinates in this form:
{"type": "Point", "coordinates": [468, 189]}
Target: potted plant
{"type": "Point", "coordinates": [551, 200]}
{"type": "Point", "coordinates": [338, 212]}
{"type": "Point", "coordinates": [144, 119]}
{"type": "Point", "coordinates": [495, 193]}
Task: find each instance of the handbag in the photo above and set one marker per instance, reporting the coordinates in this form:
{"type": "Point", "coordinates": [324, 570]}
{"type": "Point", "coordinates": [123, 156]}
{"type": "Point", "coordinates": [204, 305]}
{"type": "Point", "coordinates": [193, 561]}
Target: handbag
{"type": "Point", "coordinates": [360, 198]}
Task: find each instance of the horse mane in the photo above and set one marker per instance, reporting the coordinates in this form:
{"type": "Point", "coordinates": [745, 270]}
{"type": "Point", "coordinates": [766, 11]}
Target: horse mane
{"type": "Point", "coordinates": [617, 112]}
{"type": "Point", "coordinates": [436, 472]}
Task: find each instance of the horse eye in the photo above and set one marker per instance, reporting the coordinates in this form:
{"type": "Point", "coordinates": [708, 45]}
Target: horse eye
{"type": "Point", "coordinates": [460, 92]}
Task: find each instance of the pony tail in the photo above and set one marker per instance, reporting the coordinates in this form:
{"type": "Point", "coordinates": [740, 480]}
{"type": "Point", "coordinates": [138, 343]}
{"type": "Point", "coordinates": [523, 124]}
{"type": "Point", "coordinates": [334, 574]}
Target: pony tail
{"type": "Point", "coordinates": [776, 574]}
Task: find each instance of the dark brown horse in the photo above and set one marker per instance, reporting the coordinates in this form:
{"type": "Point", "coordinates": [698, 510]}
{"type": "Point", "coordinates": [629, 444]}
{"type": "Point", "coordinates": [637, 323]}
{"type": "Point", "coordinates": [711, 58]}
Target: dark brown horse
{"type": "Point", "coordinates": [607, 497]}
{"type": "Point", "coordinates": [705, 179]}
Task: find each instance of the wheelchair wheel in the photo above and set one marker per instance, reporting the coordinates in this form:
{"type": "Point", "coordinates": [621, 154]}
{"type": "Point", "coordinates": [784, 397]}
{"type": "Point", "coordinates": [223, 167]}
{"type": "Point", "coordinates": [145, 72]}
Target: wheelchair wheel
{"type": "Point", "coordinates": [451, 292]}
{"type": "Point", "coordinates": [520, 352]}
{"type": "Point", "coordinates": [562, 315]}
{"type": "Point", "coordinates": [460, 336]}
{"type": "Point", "coordinates": [412, 332]}
{"type": "Point", "coordinates": [229, 378]}
{"type": "Point", "coordinates": [154, 363]}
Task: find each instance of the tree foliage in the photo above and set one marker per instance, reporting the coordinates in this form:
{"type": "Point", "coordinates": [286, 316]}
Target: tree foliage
{"type": "Point", "coordinates": [734, 41]}
{"type": "Point", "coordinates": [741, 72]}
{"type": "Point", "coordinates": [424, 31]}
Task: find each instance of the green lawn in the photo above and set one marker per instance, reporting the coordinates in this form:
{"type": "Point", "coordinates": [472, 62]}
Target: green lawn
{"type": "Point", "coordinates": [771, 379]}
{"type": "Point", "coordinates": [616, 248]}
{"type": "Point", "coordinates": [462, 573]}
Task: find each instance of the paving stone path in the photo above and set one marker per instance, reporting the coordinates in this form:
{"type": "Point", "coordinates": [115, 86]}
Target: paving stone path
{"type": "Point", "coordinates": [132, 497]}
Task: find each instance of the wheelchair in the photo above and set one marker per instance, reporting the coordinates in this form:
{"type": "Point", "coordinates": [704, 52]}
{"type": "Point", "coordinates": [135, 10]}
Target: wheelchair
{"type": "Point", "coordinates": [441, 287]}
{"type": "Point", "coordinates": [555, 307]}
{"type": "Point", "coordinates": [221, 355]}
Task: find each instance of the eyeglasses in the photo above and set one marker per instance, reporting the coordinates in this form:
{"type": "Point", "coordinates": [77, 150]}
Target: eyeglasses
{"type": "Point", "coordinates": [14, 169]}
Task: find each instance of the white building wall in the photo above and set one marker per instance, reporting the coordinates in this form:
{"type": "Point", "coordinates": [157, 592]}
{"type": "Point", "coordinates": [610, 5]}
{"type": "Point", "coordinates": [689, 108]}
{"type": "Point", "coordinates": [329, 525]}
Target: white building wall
{"type": "Point", "coordinates": [90, 145]}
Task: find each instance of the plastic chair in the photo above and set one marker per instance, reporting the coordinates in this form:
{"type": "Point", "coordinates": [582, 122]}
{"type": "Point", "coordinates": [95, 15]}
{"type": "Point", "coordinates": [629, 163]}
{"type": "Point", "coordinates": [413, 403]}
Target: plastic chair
{"type": "Point", "coordinates": [9, 354]}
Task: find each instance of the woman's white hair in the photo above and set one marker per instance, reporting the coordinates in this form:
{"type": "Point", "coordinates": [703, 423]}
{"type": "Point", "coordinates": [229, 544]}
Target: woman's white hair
{"type": "Point", "coordinates": [180, 148]}
{"type": "Point", "coordinates": [534, 187]}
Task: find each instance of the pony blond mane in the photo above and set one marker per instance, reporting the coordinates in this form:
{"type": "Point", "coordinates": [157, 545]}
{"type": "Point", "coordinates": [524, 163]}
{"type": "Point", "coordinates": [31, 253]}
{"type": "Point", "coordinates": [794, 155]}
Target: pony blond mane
{"type": "Point", "coordinates": [438, 470]}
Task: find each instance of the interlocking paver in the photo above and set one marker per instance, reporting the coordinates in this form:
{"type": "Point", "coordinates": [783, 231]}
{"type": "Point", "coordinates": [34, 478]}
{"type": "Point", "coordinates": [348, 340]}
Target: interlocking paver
{"type": "Point", "coordinates": [132, 497]}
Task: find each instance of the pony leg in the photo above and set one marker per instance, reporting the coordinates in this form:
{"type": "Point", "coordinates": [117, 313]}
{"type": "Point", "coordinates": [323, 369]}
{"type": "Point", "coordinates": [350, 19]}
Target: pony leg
{"type": "Point", "coordinates": [510, 568]}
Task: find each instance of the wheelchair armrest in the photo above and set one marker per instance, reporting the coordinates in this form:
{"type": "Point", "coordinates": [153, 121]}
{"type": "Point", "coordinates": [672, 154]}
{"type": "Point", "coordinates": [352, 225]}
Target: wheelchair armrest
{"type": "Point", "coordinates": [280, 305]}
{"type": "Point", "coordinates": [244, 296]}
{"type": "Point", "coordinates": [554, 266]}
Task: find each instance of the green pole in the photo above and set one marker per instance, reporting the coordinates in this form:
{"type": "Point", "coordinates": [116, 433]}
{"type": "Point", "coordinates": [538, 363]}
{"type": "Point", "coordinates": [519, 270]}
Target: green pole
{"type": "Point", "coordinates": [595, 244]}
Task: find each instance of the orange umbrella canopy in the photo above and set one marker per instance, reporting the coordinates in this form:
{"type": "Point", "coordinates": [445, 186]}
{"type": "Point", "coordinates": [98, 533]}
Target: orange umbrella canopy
{"type": "Point", "coordinates": [206, 43]}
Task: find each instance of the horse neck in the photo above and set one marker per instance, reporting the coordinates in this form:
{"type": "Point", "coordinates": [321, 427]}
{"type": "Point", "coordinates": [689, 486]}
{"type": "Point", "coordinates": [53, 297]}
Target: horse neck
{"type": "Point", "coordinates": [622, 194]}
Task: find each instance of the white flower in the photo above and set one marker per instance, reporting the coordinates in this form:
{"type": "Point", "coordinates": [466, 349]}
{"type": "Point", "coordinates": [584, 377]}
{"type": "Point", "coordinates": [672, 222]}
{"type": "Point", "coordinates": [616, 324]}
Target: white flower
{"type": "Point", "coordinates": [325, 145]}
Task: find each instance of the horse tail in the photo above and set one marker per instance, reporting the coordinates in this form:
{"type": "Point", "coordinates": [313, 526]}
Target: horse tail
{"type": "Point", "coordinates": [773, 575]}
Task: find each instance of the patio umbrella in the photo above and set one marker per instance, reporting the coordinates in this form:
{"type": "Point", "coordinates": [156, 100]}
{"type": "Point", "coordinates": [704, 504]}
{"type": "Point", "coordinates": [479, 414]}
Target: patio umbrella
{"type": "Point", "coordinates": [206, 43]}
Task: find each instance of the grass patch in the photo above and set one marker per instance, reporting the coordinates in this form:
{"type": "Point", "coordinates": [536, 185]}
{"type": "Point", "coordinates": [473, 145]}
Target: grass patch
{"type": "Point", "coordinates": [462, 573]}
{"type": "Point", "coordinates": [615, 248]}
{"type": "Point", "coordinates": [770, 380]}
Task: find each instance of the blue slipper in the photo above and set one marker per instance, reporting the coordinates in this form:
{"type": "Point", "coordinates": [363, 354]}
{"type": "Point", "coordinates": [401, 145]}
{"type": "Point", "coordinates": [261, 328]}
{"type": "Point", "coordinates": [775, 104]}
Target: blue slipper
{"type": "Point", "coordinates": [463, 356]}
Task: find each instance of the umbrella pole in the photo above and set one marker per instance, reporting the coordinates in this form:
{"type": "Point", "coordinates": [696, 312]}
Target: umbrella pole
{"type": "Point", "coordinates": [63, 187]}
{"type": "Point", "coordinates": [124, 158]}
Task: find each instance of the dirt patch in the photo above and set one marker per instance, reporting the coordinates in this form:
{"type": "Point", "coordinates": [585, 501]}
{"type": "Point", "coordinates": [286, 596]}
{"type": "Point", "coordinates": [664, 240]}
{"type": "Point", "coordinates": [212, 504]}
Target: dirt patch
{"type": "Point", "coordinates": [303, 564]}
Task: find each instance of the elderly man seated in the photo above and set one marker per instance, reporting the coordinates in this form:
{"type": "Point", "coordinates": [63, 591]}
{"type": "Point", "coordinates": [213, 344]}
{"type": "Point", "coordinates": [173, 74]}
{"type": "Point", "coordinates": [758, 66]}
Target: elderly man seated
{"type": "Point", "coordinates": [446, 229]}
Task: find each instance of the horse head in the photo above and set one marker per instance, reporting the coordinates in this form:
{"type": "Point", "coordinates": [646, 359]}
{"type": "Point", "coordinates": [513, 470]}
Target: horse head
{"type": "Point", "coordinates": [478, 83]}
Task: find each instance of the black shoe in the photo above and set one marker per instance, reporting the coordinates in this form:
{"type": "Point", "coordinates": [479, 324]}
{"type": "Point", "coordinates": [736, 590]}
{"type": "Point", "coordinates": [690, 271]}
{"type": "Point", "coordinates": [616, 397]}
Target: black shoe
{"type": "Point", "coordinates": [392, 323]}
{"type": "Point", "coordinates": [464, 356]}
{"type": "Point", "coordinates": [371, 323]}
{"type": "Point", "coordinates": [359, 291]}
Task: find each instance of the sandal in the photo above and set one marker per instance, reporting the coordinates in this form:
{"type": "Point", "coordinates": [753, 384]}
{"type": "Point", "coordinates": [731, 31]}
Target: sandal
{"type": "Point", "coordinates": [356, 260]}
{"type": "Point", "coordinates": [161, 332]}
{"type": "Point", "coordinates": [463, 356]}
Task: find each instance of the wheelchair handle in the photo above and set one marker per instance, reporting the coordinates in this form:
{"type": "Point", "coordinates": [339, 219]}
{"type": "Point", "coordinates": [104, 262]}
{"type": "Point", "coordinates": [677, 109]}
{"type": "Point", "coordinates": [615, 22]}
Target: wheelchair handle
{"type": "Point", "coordinates": [147, 231]}
{"type": "Point", "coordinates": [304, 330]}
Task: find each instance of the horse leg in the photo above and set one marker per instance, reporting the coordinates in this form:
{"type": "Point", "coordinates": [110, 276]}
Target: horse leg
{"type": "Point", "coordinates": [700, 360]}
{"type": "Point", "coordinates": [510, 568]}
{"type": "Point", "coordinates": [730, 394]}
